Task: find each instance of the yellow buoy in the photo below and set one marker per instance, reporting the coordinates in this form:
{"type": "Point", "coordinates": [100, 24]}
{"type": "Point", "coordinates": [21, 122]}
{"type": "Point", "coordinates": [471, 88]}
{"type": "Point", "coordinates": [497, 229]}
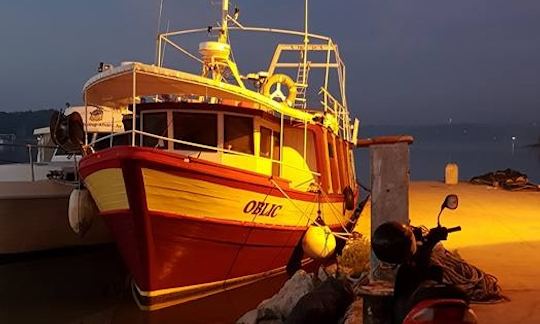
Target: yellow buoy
{"type": "Point", "coordinates": [451, 172]}
{"type": "Point", "coordinates": [319, 242]}
{"type": "Point", "coordinates": [82, 211]}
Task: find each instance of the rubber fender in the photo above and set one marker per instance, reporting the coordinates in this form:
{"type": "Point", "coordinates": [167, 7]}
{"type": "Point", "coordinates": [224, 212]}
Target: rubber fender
{"type": "Point", "coordinates": [319, 242]}
{"type": "Point", "coordinates": [82, 211]}
{"type": "Point", "coordinates": [348, 196]}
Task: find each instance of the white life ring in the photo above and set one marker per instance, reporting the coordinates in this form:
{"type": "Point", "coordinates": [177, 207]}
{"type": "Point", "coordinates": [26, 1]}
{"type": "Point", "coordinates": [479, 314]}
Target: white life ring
{"type": "Point", "coordinates": [278, 80]}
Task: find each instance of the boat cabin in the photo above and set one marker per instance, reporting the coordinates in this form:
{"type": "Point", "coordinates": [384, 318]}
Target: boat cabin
{"type": "Point", "coordinates": [241, 137]}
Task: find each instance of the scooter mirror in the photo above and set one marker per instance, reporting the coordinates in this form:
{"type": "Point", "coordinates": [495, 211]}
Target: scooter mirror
{"type": "Point", "coordinates": [450, 202]}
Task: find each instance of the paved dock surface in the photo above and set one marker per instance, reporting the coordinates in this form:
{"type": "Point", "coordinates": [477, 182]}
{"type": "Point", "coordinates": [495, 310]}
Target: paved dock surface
{"type": "Point", "coordinates": [500, 235]}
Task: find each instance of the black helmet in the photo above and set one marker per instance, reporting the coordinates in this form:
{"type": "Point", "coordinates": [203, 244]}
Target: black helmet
{"type": "Point", "coordinates": [393, 242]}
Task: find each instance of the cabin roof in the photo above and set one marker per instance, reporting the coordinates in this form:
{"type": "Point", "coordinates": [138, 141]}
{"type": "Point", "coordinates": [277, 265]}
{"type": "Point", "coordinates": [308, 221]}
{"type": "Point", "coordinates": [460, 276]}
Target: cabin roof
{"type": "Point", "coordinates": [117, 86]}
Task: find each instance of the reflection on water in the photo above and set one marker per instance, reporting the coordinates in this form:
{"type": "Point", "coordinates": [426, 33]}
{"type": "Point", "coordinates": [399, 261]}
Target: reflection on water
{"type": "Point", "coordinates": [91, 285]}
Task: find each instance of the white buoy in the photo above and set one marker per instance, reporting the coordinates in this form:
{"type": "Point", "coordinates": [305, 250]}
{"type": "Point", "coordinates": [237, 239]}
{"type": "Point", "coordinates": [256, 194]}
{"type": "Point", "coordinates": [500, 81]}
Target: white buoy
{"type": "Point", "coordinates": [319, 242]}
{"type": "Point", "coordinates": [82, 211]}
{"type": "Point", "coordinates": [451, 174]}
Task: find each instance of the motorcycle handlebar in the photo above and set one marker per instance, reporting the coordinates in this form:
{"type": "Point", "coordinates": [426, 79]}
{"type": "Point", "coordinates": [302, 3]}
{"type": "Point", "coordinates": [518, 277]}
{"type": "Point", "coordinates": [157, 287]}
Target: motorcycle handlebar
{"type": "Point", "coordinates": [454, 229]}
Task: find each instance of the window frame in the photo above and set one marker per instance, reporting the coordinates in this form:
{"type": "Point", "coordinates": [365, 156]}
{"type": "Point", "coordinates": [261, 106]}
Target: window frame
{"type": "Point", "coordinates": [253, 128]}
{"type": "Point", "coordinates": [193, 111]}
{"type": "Point", "coordinates": [141, 125]}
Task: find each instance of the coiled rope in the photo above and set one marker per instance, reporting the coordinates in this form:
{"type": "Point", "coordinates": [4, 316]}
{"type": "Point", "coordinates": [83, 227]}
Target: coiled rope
{"type": "Point", "coordinates": [480, 287]}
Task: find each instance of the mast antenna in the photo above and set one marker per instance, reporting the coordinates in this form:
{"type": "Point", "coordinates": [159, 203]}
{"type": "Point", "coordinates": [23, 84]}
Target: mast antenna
{"type": "Point", "coordinates": [159, 28]}
{"type": "Point", "coordinates": [223, 36]}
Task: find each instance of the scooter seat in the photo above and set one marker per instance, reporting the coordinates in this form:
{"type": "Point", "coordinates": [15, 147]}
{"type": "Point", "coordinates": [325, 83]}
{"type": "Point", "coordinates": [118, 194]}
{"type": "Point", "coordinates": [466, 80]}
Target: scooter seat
{"type": "Point", "coordinates": [435, 290]}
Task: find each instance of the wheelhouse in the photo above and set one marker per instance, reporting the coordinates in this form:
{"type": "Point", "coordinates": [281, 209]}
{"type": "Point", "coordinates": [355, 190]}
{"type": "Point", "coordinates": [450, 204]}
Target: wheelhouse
{"type": "Point", "coordinates": [242, 121]}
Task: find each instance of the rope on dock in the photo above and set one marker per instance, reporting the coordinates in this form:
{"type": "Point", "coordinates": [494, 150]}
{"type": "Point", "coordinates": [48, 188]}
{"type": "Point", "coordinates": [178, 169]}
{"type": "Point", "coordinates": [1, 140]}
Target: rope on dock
{"type": "Point", "coordinates": [480, 287]}
{"type": "Point", "coordinates": [507, 179]}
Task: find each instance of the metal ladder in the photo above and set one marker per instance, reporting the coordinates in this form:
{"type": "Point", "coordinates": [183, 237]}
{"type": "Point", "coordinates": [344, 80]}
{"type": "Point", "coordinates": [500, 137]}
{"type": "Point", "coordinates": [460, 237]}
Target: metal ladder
{"type": "Point", "coordinates": [301, 85]}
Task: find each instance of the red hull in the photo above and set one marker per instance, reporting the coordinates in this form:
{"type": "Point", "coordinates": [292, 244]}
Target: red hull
{"type": "Point", "coordinates": [171, 255]}
{"type": "Point", "coordinates": [188, 251]}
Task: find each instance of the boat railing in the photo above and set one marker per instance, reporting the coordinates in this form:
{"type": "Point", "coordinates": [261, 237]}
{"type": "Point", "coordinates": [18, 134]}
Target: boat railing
{"type": "Point", "coordinates": [333, 106]}
{"type": "Point", "coordinates": [165, 38]}
{"type": "Point", "coordinates": [331, 61]}
{"type": "Point", "coordinates": [197, 145]}
{"type": "Point", "coordinates": [327, 46]}
{"type": "Point", "coordinates": [29, 148]}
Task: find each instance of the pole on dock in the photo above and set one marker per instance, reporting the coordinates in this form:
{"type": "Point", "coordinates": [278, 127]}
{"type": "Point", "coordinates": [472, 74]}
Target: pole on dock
{"type": "Point", "coordinates": [389, 163]}
{"type": "Point", "coordinates": [32, 172]}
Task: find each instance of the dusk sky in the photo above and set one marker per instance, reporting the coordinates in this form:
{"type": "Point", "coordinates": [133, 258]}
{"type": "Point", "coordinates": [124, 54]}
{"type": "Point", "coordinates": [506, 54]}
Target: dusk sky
{"type": "Point", "coordinates": [408, 61]}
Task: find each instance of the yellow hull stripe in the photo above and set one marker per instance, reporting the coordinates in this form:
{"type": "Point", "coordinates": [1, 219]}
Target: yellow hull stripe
{"type": "Point", "coordinates": [108, 189]}
{"type": "Point", "coordinates": [174, 194]}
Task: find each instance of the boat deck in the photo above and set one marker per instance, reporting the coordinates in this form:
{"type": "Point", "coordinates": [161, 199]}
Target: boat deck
{"type": "Point", "coordinates": [23, 171]}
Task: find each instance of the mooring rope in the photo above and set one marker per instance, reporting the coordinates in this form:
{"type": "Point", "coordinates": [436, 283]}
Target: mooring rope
{"type": "Point", "coordinates": [335, 212]}
{"type": "Point", "coordinates": [303, 213]}
{"type": "Point", "coordinates": [342, 236]}
{"type": "Point", "coordinates": [480, 287]}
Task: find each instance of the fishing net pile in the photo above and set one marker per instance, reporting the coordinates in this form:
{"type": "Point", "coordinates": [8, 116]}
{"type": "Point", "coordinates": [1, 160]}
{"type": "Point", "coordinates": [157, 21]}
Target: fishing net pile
{"type": "Point", "coordinates": [481, 287]}
{"type": "Point", "coordinates": [507, 179]}
{"type": "Point", "coordinates": [354, 259]}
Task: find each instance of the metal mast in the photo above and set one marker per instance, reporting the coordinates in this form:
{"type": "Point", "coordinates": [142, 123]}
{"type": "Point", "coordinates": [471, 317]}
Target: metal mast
{"type": "Point", "coordinates": [224, 33]}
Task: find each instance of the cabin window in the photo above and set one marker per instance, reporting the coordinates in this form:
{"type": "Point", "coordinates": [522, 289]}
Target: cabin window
{"type": "Point", "coordinates": [155, 123]}
{"type": "Point", "coordinates": [276, 155]}
{"type": "Point", "coordinates": [199, 128]}
{"type": "Point", "coordinates": [238, 134]}
{"type": "Point", "coordinates": [270, 147]}
{"type": "Point", "coordinates": [266, 142]}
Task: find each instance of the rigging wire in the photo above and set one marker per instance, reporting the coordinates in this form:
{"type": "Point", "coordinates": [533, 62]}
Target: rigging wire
{"type": "Point", "coordinates": [314, 221]}
{"type": "Point", "coordinates": [336, 212]}
{"type": "Point", "coordinates": [342, 236]}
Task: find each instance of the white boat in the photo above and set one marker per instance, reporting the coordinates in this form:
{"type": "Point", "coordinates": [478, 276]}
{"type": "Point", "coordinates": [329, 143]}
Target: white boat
{"type": "Point", "coordinates": [34, 196]}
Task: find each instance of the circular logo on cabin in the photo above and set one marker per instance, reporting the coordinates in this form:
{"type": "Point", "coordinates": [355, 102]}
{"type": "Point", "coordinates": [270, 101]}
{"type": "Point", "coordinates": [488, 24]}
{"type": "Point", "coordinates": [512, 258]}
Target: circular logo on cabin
{"type": "Point", "coordinates": [96, 115]}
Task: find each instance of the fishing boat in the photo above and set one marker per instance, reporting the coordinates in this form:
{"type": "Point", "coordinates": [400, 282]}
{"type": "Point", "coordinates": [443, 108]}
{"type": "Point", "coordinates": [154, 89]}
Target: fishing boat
{"type": "Point", "coordinates": [223, 174]}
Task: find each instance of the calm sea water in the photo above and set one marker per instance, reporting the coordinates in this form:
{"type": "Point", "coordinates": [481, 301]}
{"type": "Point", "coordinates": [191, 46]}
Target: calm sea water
{"type": "Point", "coordinates": [91, 286]}
{"type": "Point", "coordinates": [477, 149]}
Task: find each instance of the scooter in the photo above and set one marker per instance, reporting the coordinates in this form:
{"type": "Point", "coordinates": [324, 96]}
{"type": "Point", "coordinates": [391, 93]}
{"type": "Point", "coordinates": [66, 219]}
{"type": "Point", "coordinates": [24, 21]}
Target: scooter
{"type": "Point", "coordinates": [420, 296]}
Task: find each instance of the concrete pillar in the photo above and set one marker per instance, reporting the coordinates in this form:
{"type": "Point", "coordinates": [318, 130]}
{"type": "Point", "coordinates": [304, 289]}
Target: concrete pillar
{"type": "Point", "coordinates": [389, 190]}
{"type": "Point", "coordinates": [389, 163]}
